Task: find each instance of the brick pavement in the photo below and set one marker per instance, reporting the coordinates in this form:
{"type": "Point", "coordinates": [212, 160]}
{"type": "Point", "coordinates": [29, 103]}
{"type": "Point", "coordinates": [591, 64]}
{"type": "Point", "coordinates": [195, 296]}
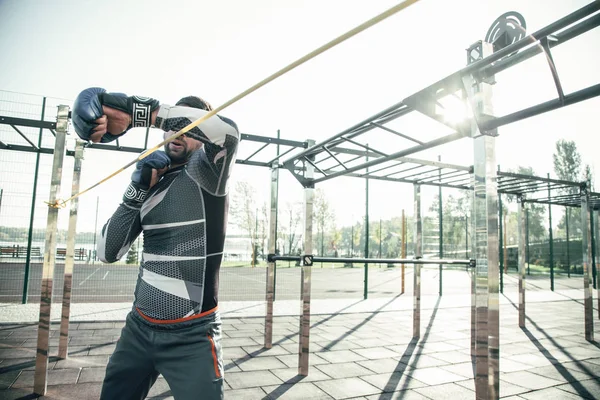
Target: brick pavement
{"type": "Point", "coordinates": [359, 350]}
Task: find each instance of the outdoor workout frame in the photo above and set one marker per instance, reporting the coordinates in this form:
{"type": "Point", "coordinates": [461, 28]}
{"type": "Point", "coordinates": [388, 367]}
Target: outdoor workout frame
{"type": "Point", "coordinates": [473, 84]}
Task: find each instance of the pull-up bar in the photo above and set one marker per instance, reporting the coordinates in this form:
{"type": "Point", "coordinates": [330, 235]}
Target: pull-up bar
{"type": "Point", "coordinates": [470, 263]}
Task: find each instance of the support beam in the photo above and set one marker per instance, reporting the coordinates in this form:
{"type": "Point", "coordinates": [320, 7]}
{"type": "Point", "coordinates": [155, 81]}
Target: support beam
{"type": "Point", "coordinates": [586, 241]}
{"type": "Point", "coordinates": [521, 241]}
{"type": "Point", "coordinates": [40, 381]}
{"type": "Point", "coordinates": [417, 267]}
{"type": "Point", "coordinates": [303, 351]}
{"type": "Point", "coordinates": [63, 347]}
{"type": "Point", "coordinates": [270, 290]}
{"type": "Point", "coordinates": [485, 213]}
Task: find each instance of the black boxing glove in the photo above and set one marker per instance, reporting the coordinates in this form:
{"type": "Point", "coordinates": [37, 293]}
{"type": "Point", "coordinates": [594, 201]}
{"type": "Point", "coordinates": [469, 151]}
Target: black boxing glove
{"type": "Point", "coordinates": [88, 108]}
{"type": "Point", "coordinates": [142, 176]}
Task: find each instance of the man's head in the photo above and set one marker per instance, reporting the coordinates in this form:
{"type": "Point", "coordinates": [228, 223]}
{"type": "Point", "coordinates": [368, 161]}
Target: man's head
{"type": "Point", "coordinates": [181, 149]}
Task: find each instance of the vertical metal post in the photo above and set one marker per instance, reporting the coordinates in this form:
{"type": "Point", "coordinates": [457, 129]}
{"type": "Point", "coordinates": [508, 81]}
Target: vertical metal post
{"type": "Point", "coordinates": [551, 242]}
{"type": "Point", "coordinates": [63, 346]}
{"type": "Point", "coordinates": [366, 275]}
{"type": "Point", "coordinates": [380, 238]}
{"type": "Point", "coordinates": [403, 247]}
{"type": "Point", "coordinates": [96, 230]}
{"type": "Point", "coordinates": [487, 376]}
{"type": "Point", "coordinates": [473, 281]}
{"type": "Point", "coordinates": [33, 202]}
{"type": "Point", "coordinates": [521, 243]}
{"type": "Point", "coordinates": [41, 363]}
{"type": "Point", "coordinates": [306, 268]}
{"type": "Point", "coordinates": [417, 267]}
{"type": "Point", "coordinates": [271, 265]}
{"type": "Point", "coordinates": [276, 214]}
{"type": "Point", "coordinates": [586, 263]}
{"type": "Point", "coordinates": [501, 241]}
{"type": "Point", "coordinates": [440, 228]}
{"type": "Point", "coordinates": [597, 250]}
{"type": "Point", "coordinates": [593, 256]}
{"type": "Point", "coordinates": [467, 237]}
{"type": "Point", "coordinates": [527, 239]}
{"type": "Point", "coordinates": [568, 250]}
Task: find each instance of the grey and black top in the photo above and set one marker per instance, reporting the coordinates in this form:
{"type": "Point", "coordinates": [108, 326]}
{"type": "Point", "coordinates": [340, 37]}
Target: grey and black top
{"type": "Point", "coordinates": [184, 219]}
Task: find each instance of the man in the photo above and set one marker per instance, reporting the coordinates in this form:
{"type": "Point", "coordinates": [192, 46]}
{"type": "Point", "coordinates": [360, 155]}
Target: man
{"type": "Point", "coordinates": [179, 200]}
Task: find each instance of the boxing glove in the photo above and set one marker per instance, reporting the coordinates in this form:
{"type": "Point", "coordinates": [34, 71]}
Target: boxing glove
{"type": "Point", "coordinates": [88, 108]}
{"type": "Point", "coordinates": [142, 176]}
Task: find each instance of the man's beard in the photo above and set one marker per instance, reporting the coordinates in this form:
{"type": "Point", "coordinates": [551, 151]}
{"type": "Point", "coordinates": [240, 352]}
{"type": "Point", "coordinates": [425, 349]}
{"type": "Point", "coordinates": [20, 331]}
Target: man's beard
{"type": "Point", "coordinates": [179, 158]}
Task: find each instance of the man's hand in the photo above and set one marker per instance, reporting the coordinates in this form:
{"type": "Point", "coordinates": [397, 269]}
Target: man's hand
{"type": "Point", "coordinates": [122, 112]}
{"type": "Point", "coordinates": [112, 121]}
{"type": "Point", "coordinates": [147, 173]}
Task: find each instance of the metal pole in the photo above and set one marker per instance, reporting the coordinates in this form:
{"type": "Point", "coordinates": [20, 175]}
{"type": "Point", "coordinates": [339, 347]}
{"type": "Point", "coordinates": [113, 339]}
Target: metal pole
{"type": "Point", "coordinates": [521, 240]}
{"type": "Point", "coordinates": [70, 254]}
{"type": "Point", "coordinates": [303, 350]}
{"type": "Point", "coordinates": [270, 290]}
{"type": "Point", "coordinates": [440, 227]}
{"type": "Point", "coordinates": [551, 242]}
{"type": "Point", "coordinates": [417, 267]}
{"type": "Point", "coordinates": [41, 363]}
{"type": "Point", "coordinates": [597, 249]}
{"type": "Point", "coordinates": [466, 237]}
{"type": "Point", "coordinates": [586, 263]}
{"type": "Point", "coordinates": [568, 250]}
{"type": "Point", "coordinates": [366, 278]}
{"type": "Point", "coordinates": [380, 238]}
{"type": "Point", "coordinates": [403, 247]}
{"type": "Point", "coordinates": [593, 256]}
{"type": "Point", "coordinates": [501, 242]}
{"type": "Point", "coordinates": [487, 374]}
{"type": "Point", "coordinates": [527, 239]}
{"type": "Point", "coordinates": [255, 246]}
{"type": "Point", "coordinates": [276, 220]}
{"type": "Point", "coordinates": [96, 228]}
{"type": "Point", "coordinates": [33, 202]}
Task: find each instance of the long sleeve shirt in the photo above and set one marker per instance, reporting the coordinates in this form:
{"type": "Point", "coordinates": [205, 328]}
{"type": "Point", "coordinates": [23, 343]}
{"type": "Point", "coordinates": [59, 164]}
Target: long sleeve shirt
{"type": "Point", "coordinates": [183, 219]}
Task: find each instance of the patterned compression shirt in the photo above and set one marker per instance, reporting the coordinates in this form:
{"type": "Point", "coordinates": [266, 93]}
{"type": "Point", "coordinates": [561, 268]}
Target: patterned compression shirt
{"type": "Point", "coordinates": [184, 219]}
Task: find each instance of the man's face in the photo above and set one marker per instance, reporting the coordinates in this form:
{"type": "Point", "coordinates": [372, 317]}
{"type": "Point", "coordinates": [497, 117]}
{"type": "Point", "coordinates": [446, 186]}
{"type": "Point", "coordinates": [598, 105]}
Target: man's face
{"type": "Point", "coordinates": [181, 149]}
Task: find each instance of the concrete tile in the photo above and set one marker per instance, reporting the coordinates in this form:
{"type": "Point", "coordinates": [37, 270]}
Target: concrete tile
{"type": "Point", "coordinates": [290, 375]}
{"type": "Point", "coordinates": [101, 350]}
{"type": "Point", "coordinates": [7, 378]}
{"type": "Point", "coordinates": [462, 369]}
{"type": "Point", "coordinates": [347, 387]}
{"type": "Point", "coordinates": [295, 391]}
{"type": "Point", "coordinates": [552, 393]}
{"type": "Point", "coordinates": [376, 353]}
{"type": "Point", "coordinates": [253, 379]}
{"type": "Point", "coordinates": [585, 367]}
{"type": "Point", "coordinates": [160, 388]}
{"type": "Point", "coordinates": [424, 361]}
{"type": "Point", "coordinates": [452, 357]}
{"type": "Point", "coordinates": [94, 374]}
{"type": "Point", "coordinates": [529, 380]}
{"type": "Point", "coordinates": [238, 342]}
{"type": "Point", "coordinates": [343, 370]}
{"type": "Point", "coordinates": [560, 373]}
{"type": "Point", "coordinates": [533, 359]}
{"type": "Point", "coordinates": [449, 391]}
{"type": "Point", "coordinates": [401, 395]}
{"type": "Point", "coordinates": [434, 376]}
{"type": "Point", "coordinates": [260, 351]}
{"type": "Point", "coordinates": [259, 363]}
{"type": "Point", "coordinates": [246, 394]}
{"type": "Point", "coordinates": [291, 360]}
{"type": "Point", "coordinates": [391, 382]}
{"type": "Point", "coordinates": [383, 366]}
{"type": "Point", "coordinates": [82, 362]}
{"type": "Point", "coordinates": [340, 356]}
{"type": "Point", "coordinates": [55, 377]}
{"type": "Point", "coordinates": [589, 389]}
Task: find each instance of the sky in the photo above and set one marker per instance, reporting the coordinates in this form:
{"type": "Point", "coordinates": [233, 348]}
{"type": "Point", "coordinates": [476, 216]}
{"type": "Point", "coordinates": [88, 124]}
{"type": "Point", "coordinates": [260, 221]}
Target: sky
{"type": "Point", "coordinates": [216, 50]}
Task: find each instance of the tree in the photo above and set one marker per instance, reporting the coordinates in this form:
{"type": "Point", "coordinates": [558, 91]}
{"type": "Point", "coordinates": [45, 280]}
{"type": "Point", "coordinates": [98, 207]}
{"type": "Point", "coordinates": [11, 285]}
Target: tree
{"type": "Point", "coordinates": [567, 166]}
{"type": "Point", "coordinates": [132, 255]}
{"type": "Point", "coordinates": [244, 212]}
{"type": "Point", "coordinates": [289, 227]}
{"type": "Point", "coordinates": [323, 218]}
{"type": "Point", "coordinates": [536, 213]}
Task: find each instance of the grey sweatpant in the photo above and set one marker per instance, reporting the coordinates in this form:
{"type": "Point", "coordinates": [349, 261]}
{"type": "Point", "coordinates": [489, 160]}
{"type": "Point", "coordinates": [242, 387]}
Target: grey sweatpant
{"type": "Point", "coordinates": [188, 355]}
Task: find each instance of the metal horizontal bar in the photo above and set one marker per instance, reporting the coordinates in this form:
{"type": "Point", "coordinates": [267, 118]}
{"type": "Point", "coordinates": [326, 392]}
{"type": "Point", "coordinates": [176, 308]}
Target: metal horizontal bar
{"type": "Point", "coordinates": [29, 149]}
{"type": "Point", "coordinates": [32, 123]}
{"type": "Point", "coordinates": [372, 260]}
{"type": "Point", "coordinates": [24, 137]}
{"type": "Point", "coordinates": [256, 152]}
{"type": "Point", "coordinates": [385, 128]}
{"type": "Point", "coordinates": [570, 99]}
{"type": "Point", "coordinates": [411, 150]}
{"type": "Point", "coordinates": [399, 180]}
{"type": "Point", "coordinates": [532, 178]}
{"type": "Point", "coordinates": [270, 140]}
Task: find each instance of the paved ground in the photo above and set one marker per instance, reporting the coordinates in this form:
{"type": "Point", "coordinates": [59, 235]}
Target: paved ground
{"type": "Point", "coordinates": [115, 283]}
{"type": "Point", "coordinates": [360, 349]}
